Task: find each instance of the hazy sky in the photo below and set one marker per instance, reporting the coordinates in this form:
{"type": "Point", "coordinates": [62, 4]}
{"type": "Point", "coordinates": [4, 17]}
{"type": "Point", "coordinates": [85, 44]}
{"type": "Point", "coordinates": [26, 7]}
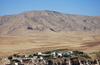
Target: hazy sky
{"type": "Point", "coordinates": [81, 7]}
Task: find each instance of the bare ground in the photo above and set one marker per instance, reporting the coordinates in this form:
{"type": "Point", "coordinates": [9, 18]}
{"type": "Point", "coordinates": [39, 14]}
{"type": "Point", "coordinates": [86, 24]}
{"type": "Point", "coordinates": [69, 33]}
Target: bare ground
{"type": "Point", "coordinates": [48, 41]}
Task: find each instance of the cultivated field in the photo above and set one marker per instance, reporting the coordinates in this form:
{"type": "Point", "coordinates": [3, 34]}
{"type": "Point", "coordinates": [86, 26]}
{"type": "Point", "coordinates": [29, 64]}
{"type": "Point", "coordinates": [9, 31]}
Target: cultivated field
{"type": "Point", "coordinates": [36, 42]}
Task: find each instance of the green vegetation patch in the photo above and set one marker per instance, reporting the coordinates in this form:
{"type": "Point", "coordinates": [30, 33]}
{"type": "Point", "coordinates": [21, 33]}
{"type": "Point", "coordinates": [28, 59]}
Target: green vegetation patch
{"type": "Point", "coordinates": [46, 55]}
{"type": "Point", "coordinates": [66, 56]}
{"type": "Point", "coordinates": [30, 56]}
{"type": "Point", "coordinates": [94, 52]}
{"type": "Point", "coordinates": [15, 60]}
{"type": "Point", "coordinates": [58, 50]}
{"type": "Point", "coordinates": [35, 54]}
{"type": "Point", "coordinates": [78, 52]}
{"type": "Point", "coordinates": [10, 57]}
{"type": "Point", "coordinates": [47, 52]}
{"type": "Point", "coordinates": [15, 55]}
{"type": "Point", "coordinates": [86, 56]}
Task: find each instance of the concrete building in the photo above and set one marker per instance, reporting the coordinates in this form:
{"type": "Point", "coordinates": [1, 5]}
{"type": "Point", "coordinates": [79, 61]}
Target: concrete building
{"type": "Point", "coordinates": [60, 54]}
{"type": "Point", "coordinates": [39, 53]}
{"type": "Point", "coordinates": [54, 53]}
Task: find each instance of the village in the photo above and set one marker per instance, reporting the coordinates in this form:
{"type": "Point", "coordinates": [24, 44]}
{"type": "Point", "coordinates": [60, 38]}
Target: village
{"type": "Point", "coordinates": [55, 57]}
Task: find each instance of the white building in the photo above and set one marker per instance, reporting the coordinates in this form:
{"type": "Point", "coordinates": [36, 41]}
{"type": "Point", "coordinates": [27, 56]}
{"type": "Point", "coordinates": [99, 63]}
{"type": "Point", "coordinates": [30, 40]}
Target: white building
{"type": "Point", "coordinates": [70, 52]}
{"type": "Point", "coordinates": [60, 54]}
{"type": "Point", "coordinates": [26, 56]}
{"type": "Point", "coordinates": [39, 53]}
{"type": "Point", "coordinates": [35, 57]}
{"type": "Point", "coordinates": [17, 63]}
{"type": "Point", "coordinates": [41, 58]}
{"type": "Point", "coordinates": [53, 53]}
{"type": "Point", "coordinates": [45, 61]}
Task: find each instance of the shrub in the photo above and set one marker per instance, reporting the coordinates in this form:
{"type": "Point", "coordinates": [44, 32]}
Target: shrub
{"type": "Point", "coordinates": [47, 52]}
{"type": "Point", "coordinates": [30, 56]}
{"type": "Point", "coordinates": [66, 56]}
{"type": "Point", "coordinates": [15, 60]}
{"type": "Point", "coordinates": [86, 56]}
{"type": "Point", "coordinates": [35, 54]}
{"type": "Point", "coordinates": [10, 57]}
{"type": "Point", "coordinates": [15, 55]}
{"type": "Point", "coordinates": [78, 52]}
{"type": "Point", "coordinates": [94, 52]}
{"type": "Point", "coordinates": [58, 56]}
{"type": "Point", "coordinates": [39, 55]}
{"type": "Point", "coordinates": [22, 56]}
{"type": "Point", "coordinates": [46, 55]}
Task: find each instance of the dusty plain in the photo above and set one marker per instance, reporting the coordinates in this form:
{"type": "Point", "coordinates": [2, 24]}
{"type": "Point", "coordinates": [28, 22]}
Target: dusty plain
{"type": "Point", "coordinates": [36, 42]}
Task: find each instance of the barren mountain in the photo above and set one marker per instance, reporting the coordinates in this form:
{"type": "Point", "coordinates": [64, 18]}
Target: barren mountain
{"type": "Point", "coordinates": [46, 21]}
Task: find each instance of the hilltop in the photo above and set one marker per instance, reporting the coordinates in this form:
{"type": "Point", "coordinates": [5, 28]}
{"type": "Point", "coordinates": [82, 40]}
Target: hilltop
{"type": "Point", "coordinates": [47, 21]}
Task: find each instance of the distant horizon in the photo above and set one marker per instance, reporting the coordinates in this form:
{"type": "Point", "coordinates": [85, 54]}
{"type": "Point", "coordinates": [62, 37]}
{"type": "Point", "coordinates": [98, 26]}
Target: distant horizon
{"type": "Point", "coordinates": [45, 10]}
{"type": "Point", "coordinates": [79, 7]}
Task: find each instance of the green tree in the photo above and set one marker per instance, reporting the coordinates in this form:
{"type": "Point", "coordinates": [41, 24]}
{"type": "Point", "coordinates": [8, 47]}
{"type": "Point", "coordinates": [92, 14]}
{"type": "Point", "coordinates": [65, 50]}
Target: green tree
{"type": "Point", "coordinates": [10, 57]}
{"type": "Point", "coordinates": [66, 56]}
{"type": "Point", "coordinates": [16, 60]}
{"type": "Point", "coordinates": [30, 56]}
{"type": "Point", "coordinates": [86, 56]}
{"type": "Point", "coordinates": [35, 54]}
{"type": "Point", "coordinates": [15, 55]}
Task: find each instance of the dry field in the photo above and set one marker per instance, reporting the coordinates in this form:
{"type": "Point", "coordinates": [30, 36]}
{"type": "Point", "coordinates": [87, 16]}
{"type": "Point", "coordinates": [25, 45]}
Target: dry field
{"type": "Point", "coordinates": [36, 42]}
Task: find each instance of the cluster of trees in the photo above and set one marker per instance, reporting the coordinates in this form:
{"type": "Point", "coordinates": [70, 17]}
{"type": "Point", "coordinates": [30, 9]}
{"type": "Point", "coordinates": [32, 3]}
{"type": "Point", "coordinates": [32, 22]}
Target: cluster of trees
{"type": "Point", "coordinates": [10, 57]}
{"type": "Point", "coordinates": [77, 52]}
{"type": "Point", "coordinates": [83, 55]}
{"type": "Point", "coordinates": [15, 55]}
{"type": "Point", "coordinates": [31, 56]}
{"type": "Point", "coordinates": [86, 56]}
{"type": "Point", "coordinates": [51, 56]}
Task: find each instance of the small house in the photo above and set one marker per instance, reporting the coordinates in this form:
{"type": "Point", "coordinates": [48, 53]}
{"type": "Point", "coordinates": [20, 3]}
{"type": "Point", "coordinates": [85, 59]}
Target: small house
{"type": "Point", "coordinates": [54, 53]}
{"type": "Point", "coordinates": [64, 53]}
{"type": "Point", "coordinates": [71, 52]}
{"type": "Point", "coordinates": [45, 60]}
{"type": "Point", "coordinates": [16, 63]}
{"type": "Point", "coordinates": [60, 54]}
{"type": "Point", "coordinates": [26, 56]}
{"type": "Point", "coordinates": [39, 53]}
{"type": "Point", "coordinates": [35, 57]}
{"type": "Point", "coordinates": [41, 58]}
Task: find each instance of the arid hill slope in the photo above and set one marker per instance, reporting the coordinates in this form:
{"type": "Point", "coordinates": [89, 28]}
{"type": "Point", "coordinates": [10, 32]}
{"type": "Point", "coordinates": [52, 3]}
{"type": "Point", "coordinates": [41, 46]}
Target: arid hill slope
{"type": "Point", "coordinates": [46, 21]}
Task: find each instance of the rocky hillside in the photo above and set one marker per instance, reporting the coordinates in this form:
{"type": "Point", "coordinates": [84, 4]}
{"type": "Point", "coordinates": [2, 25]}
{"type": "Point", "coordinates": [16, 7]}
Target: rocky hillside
{"type": "Point", "coordinates": [46, 21]}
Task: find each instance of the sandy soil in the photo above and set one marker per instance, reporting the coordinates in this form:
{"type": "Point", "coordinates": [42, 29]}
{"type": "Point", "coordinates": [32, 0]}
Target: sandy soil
{"type": "Point", "coordinates": [36, 42]}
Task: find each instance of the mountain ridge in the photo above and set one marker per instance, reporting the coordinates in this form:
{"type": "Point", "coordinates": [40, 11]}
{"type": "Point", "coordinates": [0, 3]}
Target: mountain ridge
{"type": "Point", "coordinates": [46, 11]}
{"type": "Point", "coordinates": [46, 21]}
